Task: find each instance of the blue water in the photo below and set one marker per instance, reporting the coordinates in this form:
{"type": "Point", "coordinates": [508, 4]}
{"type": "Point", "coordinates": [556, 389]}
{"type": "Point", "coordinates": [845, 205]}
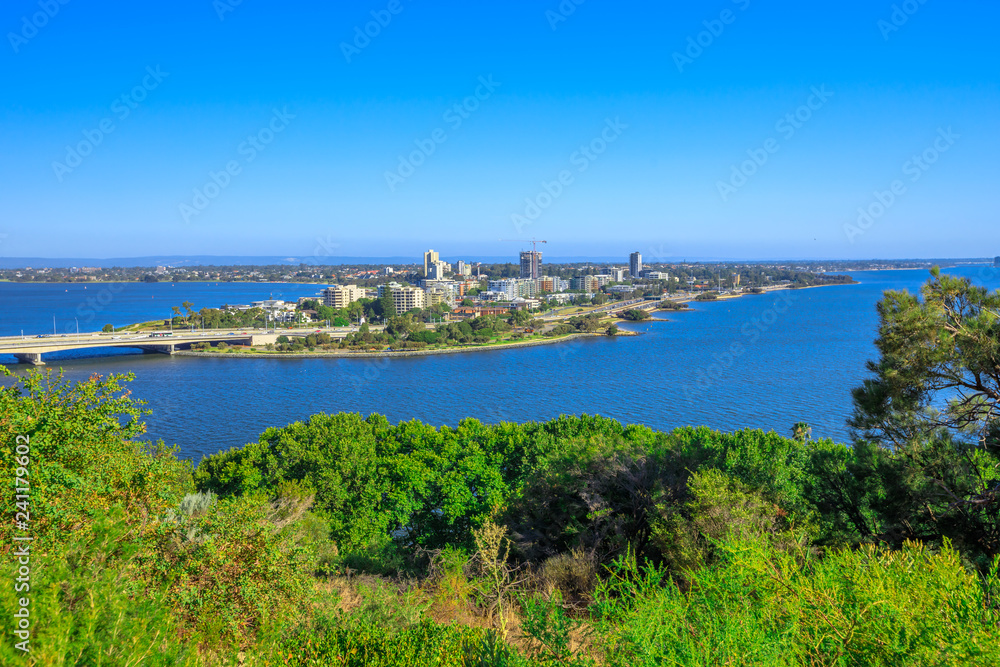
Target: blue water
{"type": "Point", "coordinates": [763, 361]}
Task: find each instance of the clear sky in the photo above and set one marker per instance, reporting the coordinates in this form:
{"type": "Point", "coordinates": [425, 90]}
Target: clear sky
{"type": "Point", "coordinates": [348, 144]}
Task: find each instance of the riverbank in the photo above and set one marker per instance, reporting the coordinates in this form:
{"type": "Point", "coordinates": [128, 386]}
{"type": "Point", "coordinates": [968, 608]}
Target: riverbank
{"type": "Point", "coordinates": [257, 354]}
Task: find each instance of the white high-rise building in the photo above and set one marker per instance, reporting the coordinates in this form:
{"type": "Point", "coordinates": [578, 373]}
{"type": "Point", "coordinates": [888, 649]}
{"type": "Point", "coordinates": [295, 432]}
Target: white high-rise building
{"type": "Point", "coordinates": [430, 257]}
{"type": "Point", "coordinates": [435, 270]}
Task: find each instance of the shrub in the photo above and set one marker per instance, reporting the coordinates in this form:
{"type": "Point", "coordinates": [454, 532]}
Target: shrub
{"type": "Point", "coordinates": [83, 458]}
{"type": "Point", "coordinates": [572, 574]}
{"type": "Point", "coordinates": [761, 605]}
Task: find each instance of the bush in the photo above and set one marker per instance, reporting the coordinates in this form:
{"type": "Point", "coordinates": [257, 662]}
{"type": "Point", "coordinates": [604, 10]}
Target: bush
{"type": "Point", "coordinates": [84, 457]}
{"type": "Point", "coordinates": [573, 575]}
{"type": "Point", "coordinates": [635, 315]}
{"type": "Point", "coordinates": [761, 605]}
{"type": "Point", "coordinates": [89, 607]}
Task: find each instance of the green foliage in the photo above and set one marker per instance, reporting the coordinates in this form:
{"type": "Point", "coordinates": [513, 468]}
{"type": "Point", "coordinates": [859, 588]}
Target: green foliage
{"type": "Point", "coordinates": [635, 315]}
{"type": "Point", "coordinates": [762, 605]}
{"type": "Point", "coordinates": [371, 645]}
{"type": "Point", "coordinates": [87, 609]}
{"type": "Point", "coordinates": [548, 626]}
{"type": "Point", "coordinates": [228, 566]}
{"type": "Point", "coordinates": [83, 457]}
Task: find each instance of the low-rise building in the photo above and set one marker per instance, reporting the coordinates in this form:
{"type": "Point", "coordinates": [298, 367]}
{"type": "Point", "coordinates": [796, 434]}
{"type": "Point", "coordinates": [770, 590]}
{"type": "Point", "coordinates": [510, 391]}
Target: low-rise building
{"type": "Point", "coordinates": [552, 284]}
{"type": "Point", "coordinates": [339, 296]}
{"type": "Point", "coordinates": [407, 297]}
{"type": "Point", "coordinates": [465, 312]}
{"type": "Point", "coordinates": [585, 283]}
{"type": "Point", "coordinates": [514, 287]}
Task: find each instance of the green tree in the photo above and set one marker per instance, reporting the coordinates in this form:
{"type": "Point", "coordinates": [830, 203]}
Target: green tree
{"type": "Point", "coordinates": [932, 404]}
{"type": "Point", "coordinates": [108, 328]}
{"type": "Point", "coordinates": [938, 366]}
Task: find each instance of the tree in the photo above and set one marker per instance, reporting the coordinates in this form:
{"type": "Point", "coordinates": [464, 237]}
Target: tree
{"type": "Point", "coordinates": [385, 307]}
{"type": "Point", "coordinates": [108, 328]}
{"type": "Point", "coordinates": [933, 408]}
{"type": "Point", "coordinates": [939, 365]}
{"type": "Point", "coordinates": [612, 330]}
{"type": "Point", "coordinates": [635, 314]}
{"type": "Point", "coordinates": [519, 318]}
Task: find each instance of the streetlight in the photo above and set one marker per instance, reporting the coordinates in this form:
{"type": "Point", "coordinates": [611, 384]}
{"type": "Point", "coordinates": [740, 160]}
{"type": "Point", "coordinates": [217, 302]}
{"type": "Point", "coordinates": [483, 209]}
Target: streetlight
{"type": "Point", "coordinates": [77, 326]}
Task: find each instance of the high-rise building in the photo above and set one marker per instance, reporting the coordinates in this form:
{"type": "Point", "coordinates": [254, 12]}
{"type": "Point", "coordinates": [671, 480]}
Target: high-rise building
{"type": "Point", "coordinates": [429, 257]}
{"type": "Point", "coordinates": [635, 264]}
{"type": "Point", "coordinates": [531, 264]}
{"type": "Point", "coordinates": [435, 270]}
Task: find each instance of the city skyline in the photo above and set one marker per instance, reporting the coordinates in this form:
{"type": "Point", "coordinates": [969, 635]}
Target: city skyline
{"type": "Point", "coordinates": [729, 131]}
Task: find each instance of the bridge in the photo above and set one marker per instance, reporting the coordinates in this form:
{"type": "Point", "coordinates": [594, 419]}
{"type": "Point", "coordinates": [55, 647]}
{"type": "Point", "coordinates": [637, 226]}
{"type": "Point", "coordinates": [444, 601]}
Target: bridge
{"type": "Point", "coordinates": [30, 350]}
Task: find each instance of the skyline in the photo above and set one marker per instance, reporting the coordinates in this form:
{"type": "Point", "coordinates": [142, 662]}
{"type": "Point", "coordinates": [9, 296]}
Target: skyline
{"type": "Point", "coordinates": [633, 146]}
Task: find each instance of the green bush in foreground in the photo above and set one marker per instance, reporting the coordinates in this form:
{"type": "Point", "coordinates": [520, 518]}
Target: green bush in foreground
{"type": "Point", "coordinates": [767, 606]}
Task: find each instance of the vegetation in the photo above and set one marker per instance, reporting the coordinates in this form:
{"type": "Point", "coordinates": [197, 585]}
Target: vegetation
{"type": "Point", "coordinates": [579, 541]}
{"type": "Point", "coordinates": [635, 315]}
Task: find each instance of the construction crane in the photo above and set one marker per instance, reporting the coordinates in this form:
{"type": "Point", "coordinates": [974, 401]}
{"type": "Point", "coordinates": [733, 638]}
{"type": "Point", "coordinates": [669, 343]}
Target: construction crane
{"type": "Point", "coordinates": [533, 242]}
{"type": "Point", "coordinates": [534, 254]}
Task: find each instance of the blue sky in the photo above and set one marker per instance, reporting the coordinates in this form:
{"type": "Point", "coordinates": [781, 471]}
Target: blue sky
{"type": "Point", "coordinates": [644, 125]}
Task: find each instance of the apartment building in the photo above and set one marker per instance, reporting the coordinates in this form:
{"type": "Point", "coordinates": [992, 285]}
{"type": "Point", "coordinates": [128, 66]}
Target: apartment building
{"type": "Point", "coordinates": [338, 296]}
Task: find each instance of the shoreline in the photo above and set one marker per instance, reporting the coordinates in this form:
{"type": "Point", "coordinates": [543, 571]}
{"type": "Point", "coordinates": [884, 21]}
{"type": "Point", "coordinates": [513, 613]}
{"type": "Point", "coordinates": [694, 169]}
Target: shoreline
{"type": "Point", "coordinates": [384, 354]}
